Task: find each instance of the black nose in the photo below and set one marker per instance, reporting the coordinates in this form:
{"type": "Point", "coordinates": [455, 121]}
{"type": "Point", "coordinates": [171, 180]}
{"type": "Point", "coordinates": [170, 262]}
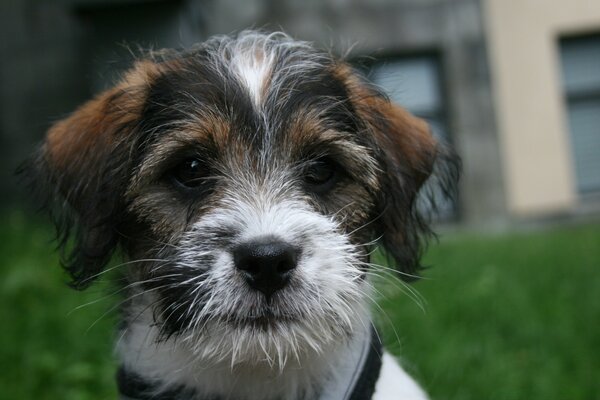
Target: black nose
{"type": "Point", "coordinates": [266, 265]}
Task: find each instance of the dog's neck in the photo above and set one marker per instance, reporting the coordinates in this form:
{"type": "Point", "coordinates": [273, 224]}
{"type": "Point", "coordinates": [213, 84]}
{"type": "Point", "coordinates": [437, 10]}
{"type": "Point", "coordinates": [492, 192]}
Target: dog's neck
{"type": "Point", "coordinates": [169, 366]}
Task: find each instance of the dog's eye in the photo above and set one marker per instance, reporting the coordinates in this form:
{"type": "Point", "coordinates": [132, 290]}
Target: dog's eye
{"type": "Point", "coordinates": [190, 174]}
{"type": "Point", "coordinates": [321, 175]}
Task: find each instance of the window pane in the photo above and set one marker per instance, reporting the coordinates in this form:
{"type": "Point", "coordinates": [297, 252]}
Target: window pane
{"type": "Point", "coordinates": [581, 80]}
{"type": "Point", "coordinates": [584, 122]}
{"type": "Point", "coordinates": [413, 83]}
{"type": "Point", "coordinates": [581, 64]}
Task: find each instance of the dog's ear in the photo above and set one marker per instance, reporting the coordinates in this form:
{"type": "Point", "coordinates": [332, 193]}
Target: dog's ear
{"type": "Point", "coordinates": [408, 154]}
{"type": "Point", "coordinates": [81, 173]}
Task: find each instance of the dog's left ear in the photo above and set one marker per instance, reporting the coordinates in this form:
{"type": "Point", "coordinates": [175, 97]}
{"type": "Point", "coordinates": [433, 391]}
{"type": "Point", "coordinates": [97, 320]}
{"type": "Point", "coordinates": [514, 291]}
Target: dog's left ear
{"type": "Point", "coordinates": [81, 173]}
{"type": "Point", "coordinates": [408, 154]}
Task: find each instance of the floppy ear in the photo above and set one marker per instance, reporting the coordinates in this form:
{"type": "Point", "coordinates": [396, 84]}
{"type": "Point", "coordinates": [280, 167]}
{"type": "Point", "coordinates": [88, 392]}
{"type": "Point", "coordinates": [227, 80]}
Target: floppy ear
{"type": "Point", "coordinates": [408, 154]}
{"type": "Point", "coordinates": [81, 172]}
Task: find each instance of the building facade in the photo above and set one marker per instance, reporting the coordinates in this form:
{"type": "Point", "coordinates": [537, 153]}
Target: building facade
{"type": "Point", "coordinates": [545, 58]}
{"type": "Point", "coordinates": [510, 84]}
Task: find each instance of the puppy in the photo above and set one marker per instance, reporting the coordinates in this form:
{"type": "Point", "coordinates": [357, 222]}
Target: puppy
{"type": "Point", "coordinates": [246, 182]}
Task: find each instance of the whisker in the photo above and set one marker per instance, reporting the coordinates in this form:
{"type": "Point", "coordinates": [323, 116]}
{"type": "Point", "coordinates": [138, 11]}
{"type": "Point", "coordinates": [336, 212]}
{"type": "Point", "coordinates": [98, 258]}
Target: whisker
{"type": "Point", "coordinates": [141, 260]}
{"type": "Point", "coordinates": [412, 293]}
{"type": "Point", "coordinates": [125, 301]}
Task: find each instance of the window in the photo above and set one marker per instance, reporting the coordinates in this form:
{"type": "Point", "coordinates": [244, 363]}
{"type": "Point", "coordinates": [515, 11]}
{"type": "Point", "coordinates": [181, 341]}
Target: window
{"type": "Point", "coordinates": [580, 57]}
{"type": "Point", "coordinates": [415, 83]}
{"type": "Point", "coordinates": [116, 30]}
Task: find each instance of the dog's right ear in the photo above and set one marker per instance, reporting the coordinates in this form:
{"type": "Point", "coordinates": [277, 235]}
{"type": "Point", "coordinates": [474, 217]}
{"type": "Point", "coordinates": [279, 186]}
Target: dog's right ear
{"type": "Point", "coordinates": [408, 155]}
{"type": "Point", "coordinates": [82, 169]}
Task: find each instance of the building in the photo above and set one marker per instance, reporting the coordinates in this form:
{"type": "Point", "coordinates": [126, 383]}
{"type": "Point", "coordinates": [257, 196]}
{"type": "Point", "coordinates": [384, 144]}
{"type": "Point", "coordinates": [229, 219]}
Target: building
{"type": "Point", "coordinates": [513, 85]}
{"type": "Point", "coordinates": [545, 59]}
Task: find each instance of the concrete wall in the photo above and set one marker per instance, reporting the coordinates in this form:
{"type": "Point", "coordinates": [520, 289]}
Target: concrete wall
{"type": "Point", "coordinates": [536, 153]}
{"type": "Point", "coordinates": [38, 80]}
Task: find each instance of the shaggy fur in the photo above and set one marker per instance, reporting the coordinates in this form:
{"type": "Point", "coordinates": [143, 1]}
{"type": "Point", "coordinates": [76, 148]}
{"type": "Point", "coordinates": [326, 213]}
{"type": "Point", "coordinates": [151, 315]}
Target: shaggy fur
{"type": "Point", "coordinates": [195, 153]}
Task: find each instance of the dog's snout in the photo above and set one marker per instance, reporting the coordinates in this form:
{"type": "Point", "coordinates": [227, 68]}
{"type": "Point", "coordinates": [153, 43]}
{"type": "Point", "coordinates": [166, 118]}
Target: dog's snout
{"type": "Point", "coordinates": [266, 265]}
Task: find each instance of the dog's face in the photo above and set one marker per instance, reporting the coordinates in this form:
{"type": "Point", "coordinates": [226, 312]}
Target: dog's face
{"type": "Point", "coordinates": [246, 181]}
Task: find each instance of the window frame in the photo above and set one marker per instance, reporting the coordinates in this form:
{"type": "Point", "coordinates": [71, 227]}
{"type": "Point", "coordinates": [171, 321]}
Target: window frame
{"type": "Point", "coordinates": [571, 97]}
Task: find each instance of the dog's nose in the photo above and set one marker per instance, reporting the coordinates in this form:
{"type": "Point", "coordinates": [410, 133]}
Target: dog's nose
{"type": "Point", "coordinates": [266, 265]}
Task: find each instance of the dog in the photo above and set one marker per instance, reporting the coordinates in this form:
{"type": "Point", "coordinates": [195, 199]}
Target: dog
{"type": "Point", "coordinates": [246, 182]}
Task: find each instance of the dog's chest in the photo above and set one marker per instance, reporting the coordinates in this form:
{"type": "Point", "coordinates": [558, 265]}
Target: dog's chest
{"type": "Point", "coordinates": [159, 372]}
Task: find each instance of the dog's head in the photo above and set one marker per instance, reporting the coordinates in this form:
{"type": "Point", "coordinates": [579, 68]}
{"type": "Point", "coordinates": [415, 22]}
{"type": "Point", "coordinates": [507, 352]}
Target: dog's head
{"type": "Point", "coordinates": [246, 181]}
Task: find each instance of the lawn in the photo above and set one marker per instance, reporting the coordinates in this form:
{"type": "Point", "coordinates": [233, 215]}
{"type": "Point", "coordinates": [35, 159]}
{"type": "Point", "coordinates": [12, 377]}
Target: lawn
{"type": "Point", "coordinates": [500, 317]}
{"type": "Point", "coordinates": [506, 317]}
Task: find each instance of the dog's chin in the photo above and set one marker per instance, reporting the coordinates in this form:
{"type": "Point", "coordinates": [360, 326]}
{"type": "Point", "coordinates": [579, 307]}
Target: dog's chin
{"type": "Point", "coordinates": [265, 321]}
{"type": "Point", "coordinates": [271, 337]}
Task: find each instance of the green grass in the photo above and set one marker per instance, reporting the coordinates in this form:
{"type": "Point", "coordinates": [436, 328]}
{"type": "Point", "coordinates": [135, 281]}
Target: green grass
{"type": "Point", "coordinates": [509, 317]}
{"type": "Point", "coordinates": [505, 317]}
{"type": "Point", "coordinates": [48, 348]}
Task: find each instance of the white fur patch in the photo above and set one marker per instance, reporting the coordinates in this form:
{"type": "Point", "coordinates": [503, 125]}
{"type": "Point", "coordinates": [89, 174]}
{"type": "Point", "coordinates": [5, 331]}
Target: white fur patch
{"type": "Point", "coordinates": [254, 68]}
{"type": "Point", "coordinates": [252, 57]}
{"type": "Point", "coordinates": [173, 363]}
{"type": "Point", "coordinates": [394, 383]}
{"type": "Point", "coordinates": [320, 307]}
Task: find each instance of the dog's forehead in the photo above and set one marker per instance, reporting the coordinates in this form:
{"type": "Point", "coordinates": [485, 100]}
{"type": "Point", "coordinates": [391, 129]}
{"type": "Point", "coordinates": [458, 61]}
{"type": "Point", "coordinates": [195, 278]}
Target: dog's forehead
{"type": "Point", "coordinates": [252, 93]}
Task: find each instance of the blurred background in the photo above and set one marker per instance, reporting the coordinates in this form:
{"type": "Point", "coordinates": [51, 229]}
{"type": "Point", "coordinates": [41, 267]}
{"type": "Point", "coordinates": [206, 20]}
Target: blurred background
{"type": "Point", "coordinates": [511, 309]}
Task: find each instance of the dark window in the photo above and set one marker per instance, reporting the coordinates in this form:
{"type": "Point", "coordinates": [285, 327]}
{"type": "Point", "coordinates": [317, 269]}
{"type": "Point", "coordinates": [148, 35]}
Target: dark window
{"type": "Point", "coordinates": [415, 82]}
{"type": "Point", "coordinates": [117, 32]}
{"type": "Point", "coordinates": [580, 57]}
